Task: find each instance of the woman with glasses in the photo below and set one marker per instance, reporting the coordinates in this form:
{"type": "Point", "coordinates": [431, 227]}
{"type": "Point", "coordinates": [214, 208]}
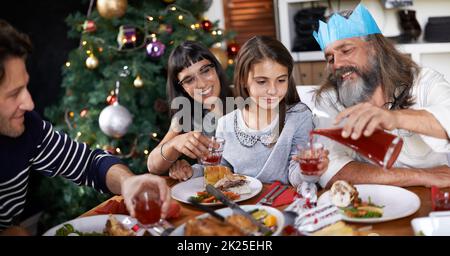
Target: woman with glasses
{"type": "Point", "coordinates": [196, 90]}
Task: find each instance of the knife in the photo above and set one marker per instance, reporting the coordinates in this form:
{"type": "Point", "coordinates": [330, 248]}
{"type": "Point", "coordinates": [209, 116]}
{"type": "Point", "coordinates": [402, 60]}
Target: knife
{"type": "Point", "coordinates": [206, 209]}
{"type": "Point", "coordinates": [236, 208]}
{"type": "Point", "coordinates": [271, 199]}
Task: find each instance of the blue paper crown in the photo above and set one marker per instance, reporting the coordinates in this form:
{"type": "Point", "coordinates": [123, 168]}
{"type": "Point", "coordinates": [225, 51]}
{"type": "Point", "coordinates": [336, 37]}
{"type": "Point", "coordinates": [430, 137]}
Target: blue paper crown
{"type": "Point", "coordinates": [360, 23]}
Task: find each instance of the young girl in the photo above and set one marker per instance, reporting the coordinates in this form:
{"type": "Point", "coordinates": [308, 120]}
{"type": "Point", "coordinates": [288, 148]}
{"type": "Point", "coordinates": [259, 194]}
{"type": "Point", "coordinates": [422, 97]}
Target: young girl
{"type": "Point", "coordinates": [262, 136]}
{"type": "Point", "coordinates": [196, 76]}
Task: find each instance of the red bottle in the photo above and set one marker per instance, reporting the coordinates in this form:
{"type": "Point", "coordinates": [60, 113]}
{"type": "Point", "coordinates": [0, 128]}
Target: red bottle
{"type": "Point", "coordinates": [381, 147]}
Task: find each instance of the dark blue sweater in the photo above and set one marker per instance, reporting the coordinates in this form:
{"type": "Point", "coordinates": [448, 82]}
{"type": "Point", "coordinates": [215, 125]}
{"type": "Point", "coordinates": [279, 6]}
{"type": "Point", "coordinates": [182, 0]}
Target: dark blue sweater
{"type": "Point", "coordinates": [51, 153]}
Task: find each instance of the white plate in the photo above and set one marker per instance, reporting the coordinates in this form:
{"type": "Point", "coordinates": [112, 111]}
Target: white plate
{"type": "Point", "coordinates": [184, 190]}
{"type": "Point", "coordinates": [179, 231]}
{"type": "Point", "coordinates": [398, 202]}
{"type": "Point", "coordinates": [427, 226]}
{"type": "Point", "coordinates": [95, 224]}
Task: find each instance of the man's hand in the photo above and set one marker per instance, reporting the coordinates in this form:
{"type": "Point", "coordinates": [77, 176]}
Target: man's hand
{"type": "Point", "coordinates": [134, 185]}
{"type": "Point", "coordinates": [364, 118]}
{"type": "Point", "coordinates": [180, 170]}
{"type": "Point", "coordinates": [15, 231]}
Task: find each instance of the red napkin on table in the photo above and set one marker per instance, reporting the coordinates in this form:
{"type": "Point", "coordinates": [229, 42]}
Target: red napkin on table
{"type": "Point", "coordinates": [118, 207]}
{"type": "Point", "coordinates": [286, 197]}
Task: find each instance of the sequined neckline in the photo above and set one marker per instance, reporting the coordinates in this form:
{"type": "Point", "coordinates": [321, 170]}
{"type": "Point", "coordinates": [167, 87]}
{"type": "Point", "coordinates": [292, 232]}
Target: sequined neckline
{"type": "Point", "coordinates": [249, 140]}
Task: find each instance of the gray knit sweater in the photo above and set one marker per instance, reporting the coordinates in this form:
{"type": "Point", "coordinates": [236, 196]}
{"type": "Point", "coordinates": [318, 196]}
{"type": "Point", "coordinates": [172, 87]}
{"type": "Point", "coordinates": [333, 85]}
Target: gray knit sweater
{"type": "Point", "coordinates": [268, 164]}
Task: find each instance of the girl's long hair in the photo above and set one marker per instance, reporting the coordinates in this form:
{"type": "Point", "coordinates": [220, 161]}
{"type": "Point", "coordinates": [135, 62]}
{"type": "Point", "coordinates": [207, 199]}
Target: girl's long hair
{"type": "Point", "coordinates": [256, 50]}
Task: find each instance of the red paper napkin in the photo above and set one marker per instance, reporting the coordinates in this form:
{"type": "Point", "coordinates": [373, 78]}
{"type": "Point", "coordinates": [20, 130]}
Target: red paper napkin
{"type": "Point", "coordinates": [118, 207]}
{"type": "Point", "coordinates": [286, 197]}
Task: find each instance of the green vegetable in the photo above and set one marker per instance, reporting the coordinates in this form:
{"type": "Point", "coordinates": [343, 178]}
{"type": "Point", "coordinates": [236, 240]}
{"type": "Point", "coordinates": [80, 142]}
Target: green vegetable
{"type": "Point", "coordinates": [260, 214]}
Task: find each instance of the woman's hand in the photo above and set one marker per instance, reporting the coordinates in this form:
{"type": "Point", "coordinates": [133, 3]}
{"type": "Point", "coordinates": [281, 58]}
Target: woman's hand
{"type": "Point", "coordinates": [192, 144]}
{"type": "Point", "coordinates": [134, 185]}
{"type": "Point", "coordinates": [180, 170]}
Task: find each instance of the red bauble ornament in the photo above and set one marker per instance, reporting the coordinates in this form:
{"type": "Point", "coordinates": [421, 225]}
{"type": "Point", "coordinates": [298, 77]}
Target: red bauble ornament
{"type": "Point", "coordinates": [111, 99]}
{"type": "Point", "coordinates": [89, 26]}
{"type": "Point", "coordinates": [84, 112]}
{"type": "Point", "coordinates": [206, 25]}
{"type": "Point", "coordinates": [233, 49]}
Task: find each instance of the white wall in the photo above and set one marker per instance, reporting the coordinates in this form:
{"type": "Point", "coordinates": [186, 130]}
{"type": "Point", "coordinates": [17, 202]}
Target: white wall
{"type": "Point", "coordinates": [215, 12]}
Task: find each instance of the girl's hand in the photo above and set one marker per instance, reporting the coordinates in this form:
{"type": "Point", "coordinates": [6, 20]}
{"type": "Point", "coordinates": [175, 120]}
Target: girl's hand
{"type": "Point", "coordinates": [181, 170]}
{"type": "Point", "coordinates": [323, 161]}
{"type": "Point", "coordinates": [192, 144]}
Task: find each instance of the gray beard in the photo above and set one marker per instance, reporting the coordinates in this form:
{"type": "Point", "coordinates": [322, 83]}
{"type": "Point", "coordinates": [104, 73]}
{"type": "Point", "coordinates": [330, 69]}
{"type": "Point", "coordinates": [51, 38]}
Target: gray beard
{"type": "Point", "coordinates": [352, 92]}
{"type": "Point", "coordinates": [361, 89]}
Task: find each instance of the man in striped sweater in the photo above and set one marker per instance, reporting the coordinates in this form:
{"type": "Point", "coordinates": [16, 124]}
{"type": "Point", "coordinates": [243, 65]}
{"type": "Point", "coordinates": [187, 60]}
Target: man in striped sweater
{"type": "Point", "coordinates": [28, 143]}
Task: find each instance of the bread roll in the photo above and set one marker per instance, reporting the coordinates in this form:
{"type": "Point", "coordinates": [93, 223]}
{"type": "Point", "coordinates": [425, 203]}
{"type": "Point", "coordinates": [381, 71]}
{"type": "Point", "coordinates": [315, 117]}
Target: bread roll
{"type": "Point", "coordinates": [213, 174]}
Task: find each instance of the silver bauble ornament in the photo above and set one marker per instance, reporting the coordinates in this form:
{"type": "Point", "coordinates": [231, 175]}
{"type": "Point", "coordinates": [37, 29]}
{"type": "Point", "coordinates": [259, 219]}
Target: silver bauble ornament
{"type": "Point", "coordinates": [91, 62]}
{"type": "Point", "coordinates": [114, 120]}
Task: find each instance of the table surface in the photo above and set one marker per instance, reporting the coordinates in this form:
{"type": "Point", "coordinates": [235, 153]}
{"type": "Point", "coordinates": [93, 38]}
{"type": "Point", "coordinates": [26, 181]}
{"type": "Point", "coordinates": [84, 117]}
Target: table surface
{"type": "Point", "coordinates": [399, 227]}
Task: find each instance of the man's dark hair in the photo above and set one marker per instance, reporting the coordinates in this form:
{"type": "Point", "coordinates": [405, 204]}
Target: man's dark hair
{"type": "Point", "coordinates": [12, 44]}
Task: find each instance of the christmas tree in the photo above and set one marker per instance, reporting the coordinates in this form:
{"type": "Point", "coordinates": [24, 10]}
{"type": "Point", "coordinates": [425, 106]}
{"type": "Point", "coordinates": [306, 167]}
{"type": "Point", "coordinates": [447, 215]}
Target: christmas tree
{"type": "Point", "coordinates": [115, 81]}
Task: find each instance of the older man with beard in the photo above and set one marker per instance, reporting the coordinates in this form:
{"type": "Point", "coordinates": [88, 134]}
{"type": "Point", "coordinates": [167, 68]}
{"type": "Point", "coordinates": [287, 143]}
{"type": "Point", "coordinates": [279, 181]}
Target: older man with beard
{"type": "Point", "coordinates": [372, 86]}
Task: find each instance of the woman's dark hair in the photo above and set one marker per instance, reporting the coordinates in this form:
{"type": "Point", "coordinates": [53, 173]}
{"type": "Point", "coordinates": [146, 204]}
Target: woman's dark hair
{"type": "Point", "coordinates": [12, 44]}
{"type": "Point", "coordinates": [255, 50]}
{"type": "Point", "coordinates": [183, 56]}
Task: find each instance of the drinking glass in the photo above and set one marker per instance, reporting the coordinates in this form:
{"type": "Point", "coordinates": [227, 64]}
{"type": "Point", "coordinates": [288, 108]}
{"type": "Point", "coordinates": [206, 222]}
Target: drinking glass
{"type": "Point", "coordinates": [215, 149]}
{"type": "Point", "coordinates": [147, 206]}
{"type": "Point", "coordinates": [309, 159]}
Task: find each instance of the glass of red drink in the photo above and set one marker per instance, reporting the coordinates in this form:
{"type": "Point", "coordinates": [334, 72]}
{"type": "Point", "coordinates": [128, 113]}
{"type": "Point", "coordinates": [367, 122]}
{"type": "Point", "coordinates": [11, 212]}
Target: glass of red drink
{"type": "Point", "coordinates": [215, 152]}
{"type": "Point", "coordinates": [147, 206]}
{"type": "Point", "coordinates": [440, 201]}
{"type": "Point", "coordinates": [309, 157]}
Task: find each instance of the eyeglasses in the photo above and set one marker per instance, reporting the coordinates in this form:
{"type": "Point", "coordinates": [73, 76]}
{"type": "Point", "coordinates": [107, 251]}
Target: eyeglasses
{"type": "Point", "coordinates": [206, 72]}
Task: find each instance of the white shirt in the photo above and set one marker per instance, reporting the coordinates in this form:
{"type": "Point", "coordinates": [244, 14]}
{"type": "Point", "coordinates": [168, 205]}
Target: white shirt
{"type": "Point", "coordinates": [431, 92]}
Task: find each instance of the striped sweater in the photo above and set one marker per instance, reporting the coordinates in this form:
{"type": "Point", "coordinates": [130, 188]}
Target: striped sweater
{"type": "Point", "coordinates": [50, 153]}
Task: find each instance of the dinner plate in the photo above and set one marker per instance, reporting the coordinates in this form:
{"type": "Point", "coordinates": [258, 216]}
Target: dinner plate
{"type": "Point", "coordinates": [184, 190]}
{"type": "Point", "coordinates": [96, 224]}
{"type": "Point", "coordinates": [398, 202]}
{"type": "Point", "coordinates": [179, 231]}
{"type": "Point", "coordinates": [431, 226]}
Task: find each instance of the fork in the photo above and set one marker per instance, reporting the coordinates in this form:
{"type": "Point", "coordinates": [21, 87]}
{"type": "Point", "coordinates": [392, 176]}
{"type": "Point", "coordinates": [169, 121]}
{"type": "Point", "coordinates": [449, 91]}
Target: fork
{"type": "Point", "coordinates": [269, 194]}
{"type": "Point", "coordinates": [275, 195]}
{"type": "Point", "coordinates": [164, 228]}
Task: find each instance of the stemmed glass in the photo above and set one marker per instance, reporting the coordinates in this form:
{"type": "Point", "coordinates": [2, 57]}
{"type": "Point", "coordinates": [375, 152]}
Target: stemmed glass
{"type": "Point", "coordinates": [147, 207]}
{"type": "Point", "coordinates": [309, 158]}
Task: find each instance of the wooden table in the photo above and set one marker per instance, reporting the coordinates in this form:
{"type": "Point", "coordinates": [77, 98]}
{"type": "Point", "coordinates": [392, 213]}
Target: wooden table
{"type": "Point", "coordinates": [400, 227]}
